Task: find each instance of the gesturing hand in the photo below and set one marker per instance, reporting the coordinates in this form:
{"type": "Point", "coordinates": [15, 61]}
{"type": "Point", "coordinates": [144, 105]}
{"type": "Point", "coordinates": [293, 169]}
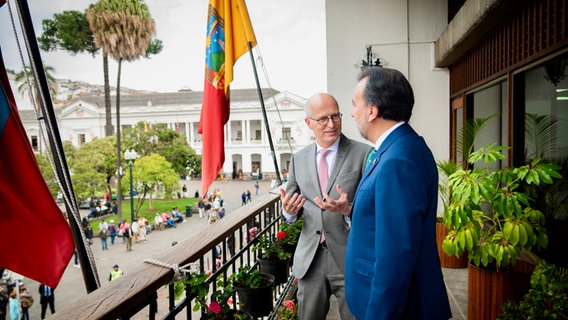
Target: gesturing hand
{"type": "Point", "coordinates": [340, 205]}
{"type": "Point", "coordinates": [291, 204]}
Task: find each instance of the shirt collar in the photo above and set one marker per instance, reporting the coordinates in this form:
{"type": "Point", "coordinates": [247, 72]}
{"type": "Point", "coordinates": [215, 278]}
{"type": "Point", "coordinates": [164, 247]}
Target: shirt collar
{"type": "Point", "coordinates": [384, 136]}
{"type": "Point", "coordinates": [333, 148]}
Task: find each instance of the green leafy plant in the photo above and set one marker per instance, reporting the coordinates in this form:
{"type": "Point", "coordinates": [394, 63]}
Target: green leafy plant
{"type": "Point", "coordinates": [492, 218]}
{"type": "Point", "coordinates": [246, 277]}
{"type": "Point", "coordinates": [547, 298]}
{"type": "Point", "coordinates": [287, 311]}
{"type": "Point", "coordinates": [292, 231]}
{"type": "Point", "coordinates": [272, 249]}
{"type": "Point", "coordinates": [220, 305]}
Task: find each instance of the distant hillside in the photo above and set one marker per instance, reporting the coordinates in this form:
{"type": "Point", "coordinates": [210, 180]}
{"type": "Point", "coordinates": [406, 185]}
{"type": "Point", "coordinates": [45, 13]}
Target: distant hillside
{"type": "Point", "coordinates": [67, 90]}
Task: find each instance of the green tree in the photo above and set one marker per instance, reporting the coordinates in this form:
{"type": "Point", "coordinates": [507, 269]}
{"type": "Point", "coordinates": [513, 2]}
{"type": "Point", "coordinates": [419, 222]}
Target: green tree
{"type": "Point", "coordinates": [70, 31]}
{"type": "Point", "coordinates": [47, 173]}
{"type": "Point", "coordinates": [157, 138]}
{"type": "Point", "coordinates": [67, 31]}
{"type": "Point", "coordinates": [153, 174]}
{"type": "Point", "coordinates": [25, 78]}
{"type": "Point", "coordinates": [100, 156]}
{"type": "Point", "coordinates": [124, 30]}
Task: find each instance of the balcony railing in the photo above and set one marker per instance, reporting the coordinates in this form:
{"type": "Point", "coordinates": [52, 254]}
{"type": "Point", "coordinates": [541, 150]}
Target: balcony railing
{"type": "Point", "coordinates": [137, 292]}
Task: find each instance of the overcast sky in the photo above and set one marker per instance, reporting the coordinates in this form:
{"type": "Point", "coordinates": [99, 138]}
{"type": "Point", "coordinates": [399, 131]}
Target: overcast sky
{"type": "Point", "coordinates": [290, 35]}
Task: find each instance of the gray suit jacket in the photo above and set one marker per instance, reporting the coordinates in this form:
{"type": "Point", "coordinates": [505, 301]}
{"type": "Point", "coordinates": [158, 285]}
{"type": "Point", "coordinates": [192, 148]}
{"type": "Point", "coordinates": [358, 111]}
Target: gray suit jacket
{"type": "Point", "coordinates": [303, 178]}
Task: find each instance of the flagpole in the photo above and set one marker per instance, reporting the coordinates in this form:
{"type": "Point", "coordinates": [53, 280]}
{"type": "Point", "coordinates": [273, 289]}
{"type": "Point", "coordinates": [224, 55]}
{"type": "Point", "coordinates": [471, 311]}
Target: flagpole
{"type": "Point", "coordinates": [91, 282]}
{"type": "Point", "coordinates": [264, 114]}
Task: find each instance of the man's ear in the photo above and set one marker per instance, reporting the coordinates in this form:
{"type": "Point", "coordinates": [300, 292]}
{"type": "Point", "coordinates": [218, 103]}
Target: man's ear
{"type": "Point", "coordinates": [373, 112]}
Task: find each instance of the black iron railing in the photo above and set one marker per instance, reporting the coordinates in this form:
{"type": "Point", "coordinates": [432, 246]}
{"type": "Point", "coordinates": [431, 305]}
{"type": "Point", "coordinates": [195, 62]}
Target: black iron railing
{"type": "Point", "coordinates": [136, 294]}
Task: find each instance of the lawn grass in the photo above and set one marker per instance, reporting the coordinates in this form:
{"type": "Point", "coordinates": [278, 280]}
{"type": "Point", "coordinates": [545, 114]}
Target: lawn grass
{"type": "Point", "coordinates": [159, 206]}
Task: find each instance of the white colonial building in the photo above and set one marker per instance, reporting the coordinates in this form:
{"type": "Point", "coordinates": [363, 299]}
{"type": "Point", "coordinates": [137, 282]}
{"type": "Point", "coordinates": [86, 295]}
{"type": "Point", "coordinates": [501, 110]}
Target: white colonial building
{"type": "Point", "coordinates": [247, 148]}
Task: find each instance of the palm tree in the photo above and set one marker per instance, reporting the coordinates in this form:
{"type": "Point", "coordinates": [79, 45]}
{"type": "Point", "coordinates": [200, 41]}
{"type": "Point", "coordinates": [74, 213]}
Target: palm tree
{"type": "Point", "coordinates": [25, 78]}
{"type": "Point", "coordinates": [70, 31]}
{"type": "Point", "coordinates": [123, 29]}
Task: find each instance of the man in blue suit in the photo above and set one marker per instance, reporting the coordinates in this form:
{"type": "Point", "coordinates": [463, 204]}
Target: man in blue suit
{"type": "Point", "coordinates": [392, 266]}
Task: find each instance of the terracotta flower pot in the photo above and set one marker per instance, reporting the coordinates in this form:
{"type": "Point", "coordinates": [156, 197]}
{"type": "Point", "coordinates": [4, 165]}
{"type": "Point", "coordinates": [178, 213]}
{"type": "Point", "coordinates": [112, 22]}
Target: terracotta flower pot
{"type": "Point", "coordinates": [488, 289]}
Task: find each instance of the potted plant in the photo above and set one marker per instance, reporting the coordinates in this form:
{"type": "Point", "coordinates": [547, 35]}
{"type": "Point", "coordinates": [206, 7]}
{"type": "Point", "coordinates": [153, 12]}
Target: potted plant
{"type": "Point", "coordinates": [287, 311]}
{"type": "Point", "coordinates": [220, 305]}
{"type": "Point", "coordinates": [493, 221]}
{"type": "Point", "coordinates": [273, 259]}
{"type": "Point", "coordinates": [466, 138]}
{"type": "Point", "coordinates": [292, 231]}
{"type": "Point", "coordinates": [446, 168]}
{"type": "Point", "coordinates": [254, 291]}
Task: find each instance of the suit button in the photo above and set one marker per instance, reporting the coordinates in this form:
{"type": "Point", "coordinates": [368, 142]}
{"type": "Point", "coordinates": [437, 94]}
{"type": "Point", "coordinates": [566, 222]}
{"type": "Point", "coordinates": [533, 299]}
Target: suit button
{"type": "Point", "coordinates": [318, 232]}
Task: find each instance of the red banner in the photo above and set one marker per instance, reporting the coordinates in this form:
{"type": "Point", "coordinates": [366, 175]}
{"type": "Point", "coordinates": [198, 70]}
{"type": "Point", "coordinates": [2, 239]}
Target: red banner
{"type": "Point", "coordinates": [36, 240]}
{"type": "Point", "coordinates": [229, 31]}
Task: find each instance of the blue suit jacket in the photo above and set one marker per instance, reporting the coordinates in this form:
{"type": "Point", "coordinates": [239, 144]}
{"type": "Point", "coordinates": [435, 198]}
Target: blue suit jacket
{"type": "Point", "coordinates": [392, 266]}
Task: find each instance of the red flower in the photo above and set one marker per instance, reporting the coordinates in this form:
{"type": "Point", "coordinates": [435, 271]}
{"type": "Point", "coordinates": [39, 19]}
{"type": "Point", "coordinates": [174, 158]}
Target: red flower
{"type": "Point", "coordinates": [214, 307]}
{"type": "Point", "coordinates": [289, 304]}
{"type": "Point", "coordinates": [281, 235]}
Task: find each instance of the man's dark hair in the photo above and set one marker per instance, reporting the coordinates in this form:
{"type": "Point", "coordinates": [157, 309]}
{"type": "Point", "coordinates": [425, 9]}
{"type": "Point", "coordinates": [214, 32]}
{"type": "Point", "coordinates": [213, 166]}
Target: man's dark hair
{"type": "Point", "coordinates": [389, 90]}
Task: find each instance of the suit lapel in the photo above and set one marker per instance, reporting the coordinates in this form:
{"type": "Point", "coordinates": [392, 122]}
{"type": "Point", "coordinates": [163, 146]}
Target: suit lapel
{"type": "Point", "coordinates": [340, 157]}
{"type": "Point", "coordinates": [311, 158]}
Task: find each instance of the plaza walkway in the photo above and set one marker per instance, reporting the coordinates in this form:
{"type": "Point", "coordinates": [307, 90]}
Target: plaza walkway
{"type": "Point", "coordinates": [71, 287]}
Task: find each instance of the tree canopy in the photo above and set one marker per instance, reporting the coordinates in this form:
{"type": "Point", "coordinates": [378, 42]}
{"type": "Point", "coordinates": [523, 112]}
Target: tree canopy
{"type": "Point", "coordinates": [157, 138]}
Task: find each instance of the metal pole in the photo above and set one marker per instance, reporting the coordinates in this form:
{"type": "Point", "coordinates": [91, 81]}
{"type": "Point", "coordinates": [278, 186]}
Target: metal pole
{"type": "Point", "coordinates": [89, 272]}
{"type": "Point", "coordinates": [272, 152]}
{"type": "Point", "coordinates": [131, 194]}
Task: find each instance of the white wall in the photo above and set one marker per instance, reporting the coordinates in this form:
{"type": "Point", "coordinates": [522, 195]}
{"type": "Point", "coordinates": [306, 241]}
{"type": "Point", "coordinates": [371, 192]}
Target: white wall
{"type": "Point", "coordinates": [402, 34]}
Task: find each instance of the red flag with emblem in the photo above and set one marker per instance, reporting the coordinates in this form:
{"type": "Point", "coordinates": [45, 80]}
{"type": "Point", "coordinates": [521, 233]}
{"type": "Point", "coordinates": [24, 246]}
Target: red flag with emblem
{"type": "Point", "coordinates": [229, 31]}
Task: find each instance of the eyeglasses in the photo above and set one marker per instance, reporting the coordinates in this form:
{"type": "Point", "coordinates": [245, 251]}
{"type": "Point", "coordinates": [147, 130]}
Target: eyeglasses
{"type": "Point", "coordinates": [335, 118]}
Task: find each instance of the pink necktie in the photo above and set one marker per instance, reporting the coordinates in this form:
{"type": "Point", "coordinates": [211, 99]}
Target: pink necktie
{"type": "Point", "coordinates": [322, 177]}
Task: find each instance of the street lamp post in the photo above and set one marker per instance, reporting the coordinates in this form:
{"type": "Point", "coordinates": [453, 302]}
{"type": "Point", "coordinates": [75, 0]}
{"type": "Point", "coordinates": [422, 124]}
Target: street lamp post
{"type": "Point", "coordinates": [130, 156]}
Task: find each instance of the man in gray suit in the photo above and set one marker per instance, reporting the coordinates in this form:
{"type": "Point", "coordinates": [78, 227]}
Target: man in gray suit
{"type": "Point", "coordinates": [317, 172]}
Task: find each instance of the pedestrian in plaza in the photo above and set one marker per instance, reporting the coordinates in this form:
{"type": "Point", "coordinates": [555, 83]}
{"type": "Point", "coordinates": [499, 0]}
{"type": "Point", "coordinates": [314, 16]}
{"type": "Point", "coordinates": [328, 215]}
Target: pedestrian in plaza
{"type": "Point", "coordinates": [115, 273]}
{"type": "Point", "coordinates": [392, 267]}
{"type": "Point", "coordinates": [128, 237]}
{"type": "Point", "coordinates": [158, 222]}
{"type": "Point", "coordinates": [142, 229]}
{"type": "Point", "coordinates": [135, 230]}
{"type": "Point", "coordinates": [26, 301]}
{"type": "Point", "coordinates": [201, 207]}
{"type": "Point", "coordinates": [89, 233]}
{"type": "Point", "coordinates": [113, 231]}
{"type": "Point", "coordinates": [84, 222]}
{"type": "Point", "coordinates": [168, 220]}
{"type": "Point", "coordinates": [244, 198]}
{"type": "Point", "coordinates": [46, 298]}
{"type": "Point", "coordinates": [122, 227]}
{"type": "Point", "coordinates": [249, 199]}
{"type": "Point", "coordinates": [76, 259]}
{"type": "Point", "coordinates": [318, 172]}
{"type": "Point", "coordinates": [256, 187]}
{"type": "Point", "coordinates": [103, 234]}
{"type": "Point", "coordinates": [4, 299]}
{"type": "Point", "coordinates": [14, 305]}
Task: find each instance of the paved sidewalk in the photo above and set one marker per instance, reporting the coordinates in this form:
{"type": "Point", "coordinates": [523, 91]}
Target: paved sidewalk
{"type": "Point", "coordinates": [71, 287]}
